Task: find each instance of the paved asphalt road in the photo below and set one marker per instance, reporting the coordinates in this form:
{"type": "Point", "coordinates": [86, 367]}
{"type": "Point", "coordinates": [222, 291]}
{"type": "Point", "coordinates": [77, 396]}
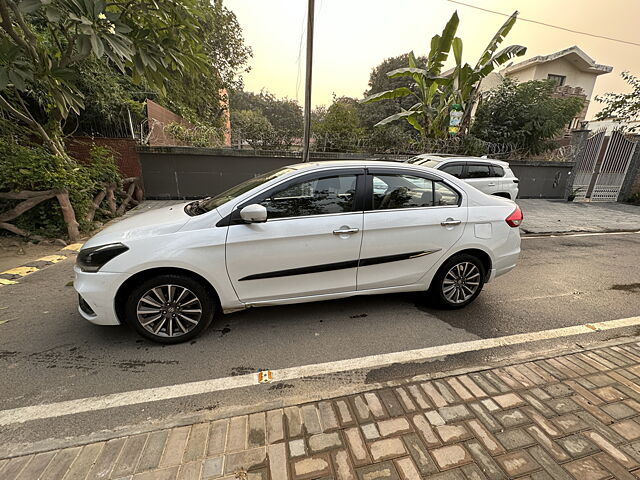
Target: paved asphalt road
{"type": "Point", "coordinates": [48, 353]}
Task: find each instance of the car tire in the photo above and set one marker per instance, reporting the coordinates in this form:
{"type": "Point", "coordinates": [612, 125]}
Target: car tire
{"type": "Point", "coordinates": [183, 306]}
{"type": "Point", "coordinates": [454, 285]}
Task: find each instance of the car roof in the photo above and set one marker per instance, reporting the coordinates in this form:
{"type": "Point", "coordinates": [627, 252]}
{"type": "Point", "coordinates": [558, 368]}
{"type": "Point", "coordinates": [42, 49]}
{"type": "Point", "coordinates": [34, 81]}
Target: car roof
{"type": "Point", "coordinates": [456, 158]}
{"type": "Point", "coordinates": [348, 163]}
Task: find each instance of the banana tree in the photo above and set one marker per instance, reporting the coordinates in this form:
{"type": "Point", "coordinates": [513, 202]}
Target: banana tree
{"type": "Point", "coordinates": [467, 79]}
{"type": "Point", "coordinates": [427, 87]}
{"type": "Point", "coordinates": [436, 92]}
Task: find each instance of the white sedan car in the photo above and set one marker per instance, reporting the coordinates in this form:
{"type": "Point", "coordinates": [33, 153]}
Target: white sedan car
{"type": "Point", "coordinates": [493, 177]}
{"type": "Point", "coordinates": [307, 232]}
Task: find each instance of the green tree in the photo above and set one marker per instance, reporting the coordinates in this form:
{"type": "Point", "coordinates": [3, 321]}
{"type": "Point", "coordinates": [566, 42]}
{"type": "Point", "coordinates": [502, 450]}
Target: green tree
{"type": "Point", "coordinates": [197, 96]}
{"type": "Point", "coordinates": [253, 127]}
{"type": "Point", "coordinates": [622, 107]}
{"type": "Point", "coordinates": [524, 114]}
{"type": "Point", "coordinates": [43, 42]}
{"type": "Point", "coordinates": [432, 92]}
{"type": "Point", "coordinates": [284, 115]}
{"type": "Point", "coordinates": [339, 129]}
{"type": "Point", "coordinates": [111, 96]}
{"type": "Point", "coordinates": [379, 81]}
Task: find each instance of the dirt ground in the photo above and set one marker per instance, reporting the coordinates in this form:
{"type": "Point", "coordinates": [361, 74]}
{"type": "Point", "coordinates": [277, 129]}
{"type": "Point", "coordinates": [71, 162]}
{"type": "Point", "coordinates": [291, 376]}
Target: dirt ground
{"type": "Point", "coordinates": [15, 252]}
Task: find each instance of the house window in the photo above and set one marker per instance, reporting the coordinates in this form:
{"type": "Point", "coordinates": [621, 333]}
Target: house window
{"type": "Point", "coordinates": [558, 79]}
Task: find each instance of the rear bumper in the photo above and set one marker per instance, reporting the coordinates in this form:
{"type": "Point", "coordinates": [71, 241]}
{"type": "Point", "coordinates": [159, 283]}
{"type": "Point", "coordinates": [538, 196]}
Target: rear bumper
{"type": "Point", "coordinates": [97, 293]}
{"type": "Point", "coordinates": [506, 256]}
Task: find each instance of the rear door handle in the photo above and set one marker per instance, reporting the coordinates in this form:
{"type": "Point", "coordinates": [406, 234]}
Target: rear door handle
{"type": "Point", "coordinates": [345, 231]}
{"type": "Point", "coordinates": [491, 184]}
{"type": "Point", "coordinates": [450, 222]}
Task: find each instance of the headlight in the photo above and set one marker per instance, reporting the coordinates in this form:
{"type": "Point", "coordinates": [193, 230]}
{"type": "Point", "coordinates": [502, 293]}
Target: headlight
{"type": "Point", "coordinates": [93, 259]}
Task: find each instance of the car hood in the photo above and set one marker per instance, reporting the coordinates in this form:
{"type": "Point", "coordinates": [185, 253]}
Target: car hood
{"type": "Point", "coordinates": [159, 221]}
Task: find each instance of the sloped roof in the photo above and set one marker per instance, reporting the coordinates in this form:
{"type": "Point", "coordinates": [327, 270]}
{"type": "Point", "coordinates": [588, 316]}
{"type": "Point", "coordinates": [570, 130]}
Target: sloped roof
{"type": "Point", "coordinates": [574, 55]}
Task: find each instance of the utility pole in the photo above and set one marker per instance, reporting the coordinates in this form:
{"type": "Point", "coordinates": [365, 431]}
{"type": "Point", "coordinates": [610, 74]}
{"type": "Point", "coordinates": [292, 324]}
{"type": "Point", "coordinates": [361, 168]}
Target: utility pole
{"type": "Point", "coordinates": [307, 85]}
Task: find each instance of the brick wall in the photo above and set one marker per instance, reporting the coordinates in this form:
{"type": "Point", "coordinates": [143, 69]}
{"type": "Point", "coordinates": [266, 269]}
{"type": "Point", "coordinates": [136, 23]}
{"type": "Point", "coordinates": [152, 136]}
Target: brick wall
{"type": "Point", "coordinates": [123, 148]}
{"type": "Point", "coordinates": [159, 117]}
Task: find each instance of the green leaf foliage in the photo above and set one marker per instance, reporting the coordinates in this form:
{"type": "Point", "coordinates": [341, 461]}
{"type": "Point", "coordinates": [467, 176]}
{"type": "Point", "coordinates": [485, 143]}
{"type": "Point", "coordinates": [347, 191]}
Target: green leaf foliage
{"type": "Point", "coordinates": [436, 92]}
{"type": "Point", "coordinates": [524, 114]}
{"type": "Point", "coordinates": [283, 118]}
{"type": "Point", "coordinates": [36, 169]}
{"type": "Point", "coordinates": [395, 93]}
{"type": "Point", "coordinates": [190, 48]}
{"type": "Point", "coordinates": [623, 107]}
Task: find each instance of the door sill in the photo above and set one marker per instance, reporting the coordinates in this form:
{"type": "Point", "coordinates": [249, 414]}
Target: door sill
{"type": "Point", "coordinates": [334, 296]}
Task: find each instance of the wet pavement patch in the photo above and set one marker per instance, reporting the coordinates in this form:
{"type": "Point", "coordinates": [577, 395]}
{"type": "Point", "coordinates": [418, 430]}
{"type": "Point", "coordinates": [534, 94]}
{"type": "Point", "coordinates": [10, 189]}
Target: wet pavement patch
{"type": "Point", "coordinates": [280, 386]}
{"type": "Point", "coordinates": [627, 287]}
{"type": "Point", "coordinates": [222, 331]}
{"type": "Point", "coordinates": [235, 371]}
{"type": "Point", "coordinates": [7, 354]}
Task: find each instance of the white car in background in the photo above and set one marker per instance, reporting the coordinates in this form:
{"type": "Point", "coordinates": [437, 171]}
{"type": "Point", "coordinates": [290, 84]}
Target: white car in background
{"type": "Point", "coordinates": [307, 232]}
{"type": "Point", "coordinates": [493, 177]}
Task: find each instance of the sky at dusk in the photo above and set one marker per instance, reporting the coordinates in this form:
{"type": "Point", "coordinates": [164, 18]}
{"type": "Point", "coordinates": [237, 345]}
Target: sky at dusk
{"type": "Point", "coordinates": [353, 36]}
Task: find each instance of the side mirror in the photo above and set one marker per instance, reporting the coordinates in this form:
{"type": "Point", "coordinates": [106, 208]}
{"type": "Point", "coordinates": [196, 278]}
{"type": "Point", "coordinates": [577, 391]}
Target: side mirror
{"type": "Point", "coordinates": [254, 213]}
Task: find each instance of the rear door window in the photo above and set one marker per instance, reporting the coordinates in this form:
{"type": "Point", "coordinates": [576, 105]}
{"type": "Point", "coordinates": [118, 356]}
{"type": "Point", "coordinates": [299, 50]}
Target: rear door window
{"type": "Point", "coordinates": [498, 171]}
{"type": "Point", "coordinates": [478, 170]}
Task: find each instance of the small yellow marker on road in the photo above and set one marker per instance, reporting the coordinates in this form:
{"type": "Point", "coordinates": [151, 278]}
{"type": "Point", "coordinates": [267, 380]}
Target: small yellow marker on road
{"type": "Point", "coordinates": [74, 247]}
{"type": "Point", "coordinates": [21, 271]}
{"type": "Point", "coordinates": [52, 258]}
{"type": "Point", "coordinates": [265, 376]}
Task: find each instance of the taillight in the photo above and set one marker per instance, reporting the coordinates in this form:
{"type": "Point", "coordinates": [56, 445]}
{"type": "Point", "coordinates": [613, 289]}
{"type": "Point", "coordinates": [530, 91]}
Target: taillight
{"type": "Point", "coordinates": [515, 219]}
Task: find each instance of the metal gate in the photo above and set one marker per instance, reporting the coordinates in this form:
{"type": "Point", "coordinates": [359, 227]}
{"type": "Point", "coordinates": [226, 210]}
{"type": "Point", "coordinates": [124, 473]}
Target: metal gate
{"type": "Point", "coordinates": [613, 169]}
{"type": "Point", "coordinates": [602, 165]}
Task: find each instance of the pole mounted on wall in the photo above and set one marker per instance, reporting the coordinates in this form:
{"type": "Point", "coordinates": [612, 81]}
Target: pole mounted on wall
{"type": "Point", "coordinates": [307, 86]}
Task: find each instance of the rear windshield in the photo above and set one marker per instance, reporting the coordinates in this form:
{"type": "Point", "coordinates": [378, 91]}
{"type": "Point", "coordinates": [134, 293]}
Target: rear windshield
{"type": "Point", "coordinates": [244, 187]}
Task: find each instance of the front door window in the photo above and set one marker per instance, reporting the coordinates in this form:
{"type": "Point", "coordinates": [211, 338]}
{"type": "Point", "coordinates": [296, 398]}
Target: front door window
{"type": "Point", "coordinates": [318, 196]}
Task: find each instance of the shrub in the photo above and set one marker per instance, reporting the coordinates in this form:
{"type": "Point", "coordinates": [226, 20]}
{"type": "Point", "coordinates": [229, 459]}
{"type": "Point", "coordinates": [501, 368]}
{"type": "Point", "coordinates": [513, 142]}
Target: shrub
{"type": "Point", "coordinates": [524, 114]}
{"type": "Point", "coordinates": [34, 168]}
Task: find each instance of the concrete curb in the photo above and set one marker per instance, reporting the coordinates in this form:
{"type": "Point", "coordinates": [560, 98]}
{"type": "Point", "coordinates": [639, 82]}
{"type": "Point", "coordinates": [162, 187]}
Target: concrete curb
{"type": "Point", "coordinates": [11, 276]}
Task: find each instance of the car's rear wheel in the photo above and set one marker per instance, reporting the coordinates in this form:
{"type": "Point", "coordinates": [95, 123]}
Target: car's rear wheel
{"type": "Point", "coordinates": [170, 308]}
{"type": "Point", "coordinates": [458, 281]}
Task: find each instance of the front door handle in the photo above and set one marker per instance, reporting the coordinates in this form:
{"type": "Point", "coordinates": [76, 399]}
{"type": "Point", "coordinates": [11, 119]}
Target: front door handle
{"type": "Point", "coordinates": [449, 222]}
{"type": "Point", "coordinates": [345, 231]}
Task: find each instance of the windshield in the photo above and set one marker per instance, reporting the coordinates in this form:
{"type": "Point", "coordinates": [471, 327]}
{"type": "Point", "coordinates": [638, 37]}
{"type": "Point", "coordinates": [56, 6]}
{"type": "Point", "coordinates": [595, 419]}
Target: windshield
{"type": "Point", "coordinates": [244, 187]}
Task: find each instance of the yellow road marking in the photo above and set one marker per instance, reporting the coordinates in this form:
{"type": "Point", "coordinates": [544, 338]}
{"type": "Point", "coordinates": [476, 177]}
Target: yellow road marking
{"type": "Point", "coordinates": [52, 258]}
{"type": "Point", "coordinates": [74, 247]}
{"type": "Point", "coordinates": [22, 271]}
{"type": "Point", "coordinates": [4, 281]}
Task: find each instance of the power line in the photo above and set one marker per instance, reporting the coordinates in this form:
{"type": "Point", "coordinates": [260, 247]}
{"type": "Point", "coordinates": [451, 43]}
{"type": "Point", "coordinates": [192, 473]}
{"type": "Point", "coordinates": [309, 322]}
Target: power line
{"type": "Point", "coordinates": [547, 24]}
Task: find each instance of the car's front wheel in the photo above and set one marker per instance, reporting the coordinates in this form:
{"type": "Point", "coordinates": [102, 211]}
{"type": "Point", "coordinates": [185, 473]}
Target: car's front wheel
{"type": "Point", "coordinates": [458, 281]}
{"type": "Point", "coordinates": [170, 308]}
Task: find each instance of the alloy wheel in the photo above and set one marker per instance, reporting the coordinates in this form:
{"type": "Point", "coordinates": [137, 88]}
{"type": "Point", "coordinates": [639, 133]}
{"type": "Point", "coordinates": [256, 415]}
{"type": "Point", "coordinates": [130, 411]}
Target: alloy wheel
{"type": "Point", "coordinates": [461, 282]}
{"type": "Point", "coordinates": [169, 310]}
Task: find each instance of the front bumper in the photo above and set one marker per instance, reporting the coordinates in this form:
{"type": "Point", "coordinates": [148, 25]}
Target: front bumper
{"type": "Point", "coordinates": [97, 292]}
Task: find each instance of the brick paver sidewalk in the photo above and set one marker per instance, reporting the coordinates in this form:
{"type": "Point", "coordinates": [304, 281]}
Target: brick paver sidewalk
{"type": "Point", "coordinates": [570, 417]}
